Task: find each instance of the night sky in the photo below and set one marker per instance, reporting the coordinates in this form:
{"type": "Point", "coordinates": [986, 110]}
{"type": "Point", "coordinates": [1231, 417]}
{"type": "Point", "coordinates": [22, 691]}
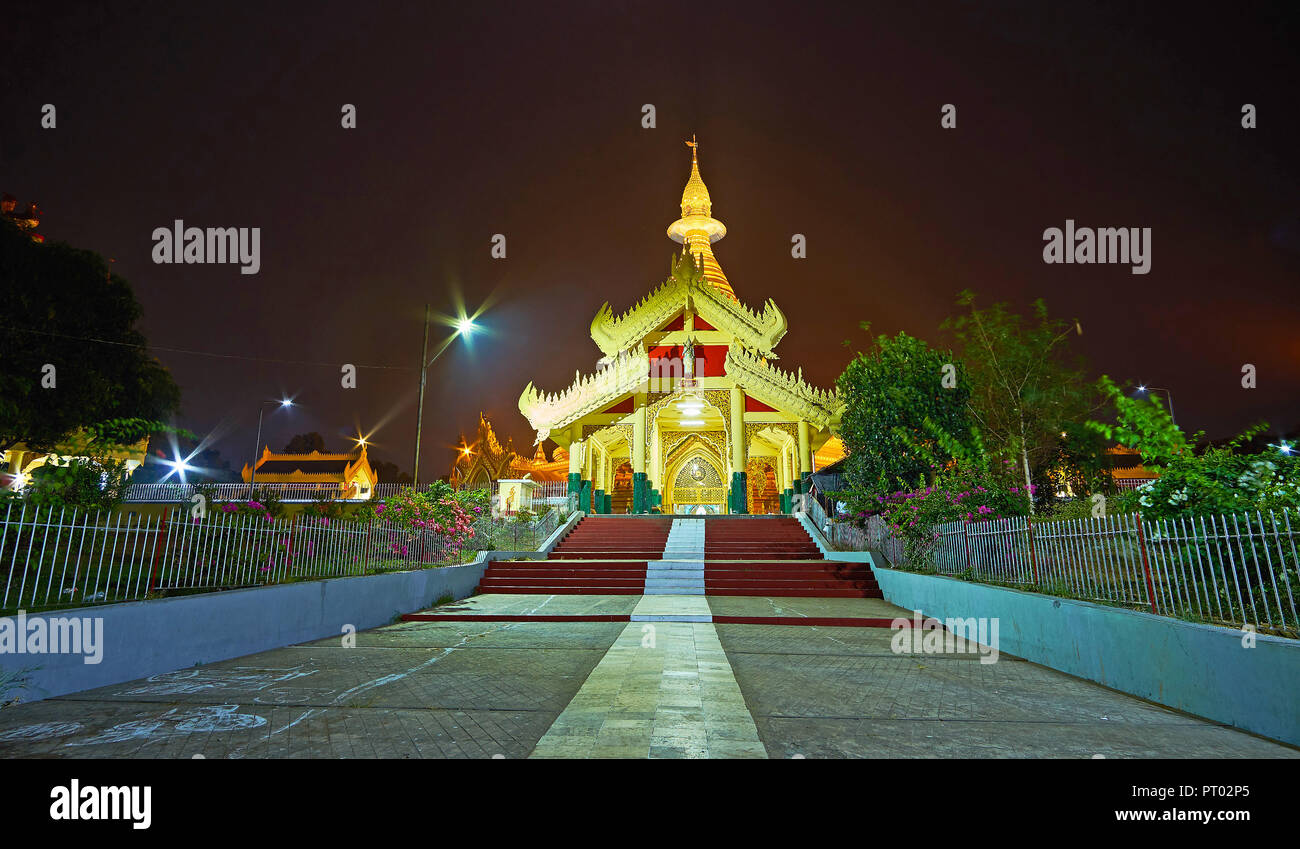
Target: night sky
{"type": "Point", "coordinates": [525, 119]}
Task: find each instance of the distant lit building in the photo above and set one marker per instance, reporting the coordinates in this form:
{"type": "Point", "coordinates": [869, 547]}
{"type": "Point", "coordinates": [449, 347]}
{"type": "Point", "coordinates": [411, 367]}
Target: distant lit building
{"type": "Point", "coordinates": [347, 475]}
{"type": "Point", "coordinates": [1126, 469]}
{"type": "Point", "coordinates": [25, 218]}
{"type": "Point", "coordinates": [19, 462]}
{"type": "Point", "coordinates": [480, 463]}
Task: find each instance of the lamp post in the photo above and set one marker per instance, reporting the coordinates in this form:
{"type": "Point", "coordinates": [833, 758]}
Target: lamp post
{"type": "Point", "coordinates": [257, 446]}
{"type": "Point", "coordinates": [1169, 396]}
{"type": "Point", "coordinates": [463, 328]}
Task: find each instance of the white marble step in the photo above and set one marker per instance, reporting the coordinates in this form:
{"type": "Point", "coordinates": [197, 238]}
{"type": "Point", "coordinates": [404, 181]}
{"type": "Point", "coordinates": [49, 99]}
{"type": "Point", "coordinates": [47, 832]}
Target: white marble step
{"type": "Point", "coordinates": [667, 565]}
{"type": "Point", "coordinates": [681, 571]}
{"type": "Point", "coordinates": [672, 607]}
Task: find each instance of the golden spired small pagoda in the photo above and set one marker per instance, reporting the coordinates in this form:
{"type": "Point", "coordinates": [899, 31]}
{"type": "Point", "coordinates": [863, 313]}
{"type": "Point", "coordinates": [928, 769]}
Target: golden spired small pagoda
{"type": "Point", "coordinates": [697, 229]}
{"type": "Point", "coordinates": [687, 413]}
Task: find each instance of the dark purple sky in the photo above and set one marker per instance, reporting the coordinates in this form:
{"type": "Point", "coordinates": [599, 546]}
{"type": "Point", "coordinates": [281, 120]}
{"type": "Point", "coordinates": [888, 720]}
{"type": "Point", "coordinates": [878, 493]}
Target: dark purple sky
{"type": "Point", "coordinates": [524, 119]}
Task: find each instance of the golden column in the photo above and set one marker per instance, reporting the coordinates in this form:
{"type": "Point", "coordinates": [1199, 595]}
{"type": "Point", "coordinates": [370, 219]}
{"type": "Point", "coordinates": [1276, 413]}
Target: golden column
{"type": "Point", "coordinates": [739, 498]}
{"type": "Point", "coordinates": [640, 484]}
{"type": "Point", "coordinates": [805, 456]}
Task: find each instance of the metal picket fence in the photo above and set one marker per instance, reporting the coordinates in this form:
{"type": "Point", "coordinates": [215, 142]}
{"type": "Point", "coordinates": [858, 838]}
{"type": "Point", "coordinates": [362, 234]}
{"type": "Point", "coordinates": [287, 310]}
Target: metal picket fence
{"type": "Point", "coordinates": [1238, 569]}
{"type": "Point", "coordinates": [549, 492]}
{"type": "Point", "coordinates": [52, 557]}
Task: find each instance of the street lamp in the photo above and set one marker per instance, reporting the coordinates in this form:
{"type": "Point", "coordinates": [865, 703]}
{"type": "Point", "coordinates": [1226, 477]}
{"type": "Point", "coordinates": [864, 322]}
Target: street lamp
{"type": "Point", "coordinates": [252, 478]}
{"type": "Point", "coordinates": [1169, 396]}
{"type": "Point", "coordinates": [464, 327]}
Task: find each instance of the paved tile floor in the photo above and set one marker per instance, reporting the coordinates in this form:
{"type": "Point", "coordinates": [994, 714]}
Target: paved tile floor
{"type": "Point", "coordinates": [487, 688]}
{"type": "Point", "coordinates": [665, 689]}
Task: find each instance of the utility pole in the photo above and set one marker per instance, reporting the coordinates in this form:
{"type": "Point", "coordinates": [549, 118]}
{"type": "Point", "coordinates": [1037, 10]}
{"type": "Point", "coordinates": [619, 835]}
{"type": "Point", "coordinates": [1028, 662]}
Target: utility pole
{"type": "Point", "coordinates": [419, 408]}
{"type": "Point", "coordinates": [257, 449]}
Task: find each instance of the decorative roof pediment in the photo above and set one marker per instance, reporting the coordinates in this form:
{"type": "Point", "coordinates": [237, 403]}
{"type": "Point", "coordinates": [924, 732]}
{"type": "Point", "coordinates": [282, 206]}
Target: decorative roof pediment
{"type": "Point", "coordinates": [760, 331]}
{"type": "Point", "coordinates": [551, 411]}
{"type": "Point", "coordinates": [787, 392]}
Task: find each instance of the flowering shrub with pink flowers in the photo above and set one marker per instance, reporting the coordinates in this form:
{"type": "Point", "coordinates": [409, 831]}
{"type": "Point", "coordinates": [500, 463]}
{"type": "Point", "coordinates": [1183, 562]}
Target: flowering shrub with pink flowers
{"type": "Point", "coordinates": [438, 510]}
{"type": "Point", "coordinates": [962, 491]}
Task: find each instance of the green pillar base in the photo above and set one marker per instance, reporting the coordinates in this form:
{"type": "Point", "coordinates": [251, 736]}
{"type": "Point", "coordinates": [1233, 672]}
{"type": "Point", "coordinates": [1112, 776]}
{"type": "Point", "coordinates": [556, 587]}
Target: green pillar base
{"type": "Point", "coordinates": [598, 501]}
{"type": "Point", "coordinates": [738, 499]}
{"type": "Point", "coordinates": [799, 485]}
{"type": "Point", "coordinates": [640, 489]}
{"type": "Point", "coordinates": [575, 483]}
{"type": "Point", "coordinates": [584, 498]}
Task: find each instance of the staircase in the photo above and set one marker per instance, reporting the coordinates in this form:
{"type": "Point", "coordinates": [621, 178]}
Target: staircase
{"type": "Point", "coordinates": [681, 571]}
{"type": "Point", "coordinates": [774, 556]}
{"type": "Point", "coordinates": [758, 538]}
{"type": "Point", "coordinates": [603, 555]}
{"type": "Point", "coordinates": [615, 538]}
{"type": "Point", "coordinates": [651, 555]}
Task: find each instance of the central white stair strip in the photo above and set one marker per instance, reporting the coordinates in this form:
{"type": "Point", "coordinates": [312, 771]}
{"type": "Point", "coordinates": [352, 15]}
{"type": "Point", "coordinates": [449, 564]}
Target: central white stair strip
{"type": "Point", "coordinates": [661, 691]}
{"type": "Point", "coordinates": [681, 571]}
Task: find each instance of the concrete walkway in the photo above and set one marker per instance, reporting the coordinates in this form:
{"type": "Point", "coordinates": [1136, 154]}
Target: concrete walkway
{"type": "Point", "coordinates": [662, 690]}
{"type": "Point", "coordinates": [656, 688]}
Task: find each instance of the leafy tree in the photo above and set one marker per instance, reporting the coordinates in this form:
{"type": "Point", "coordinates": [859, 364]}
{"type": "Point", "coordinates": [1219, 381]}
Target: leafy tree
{"type": "Point", "coordinates": [305, 443]}
{"type": "Point", "coordinates": [1026, 387]}
{"type": "Point", "coordinates": [94, 484]}
{"type": "Point", "coordinates": [1144, 425]}
{"type": "Point", "coordinates": [57, 298]}
{"type": "Point", "coordinates": [1081, 461]}
{"type": "Point", "coordinates": [94, 479]}
{"type": "Point", "coordinates": [1224, 478]}
{"type": "Point", "coordinates": [891, 392]}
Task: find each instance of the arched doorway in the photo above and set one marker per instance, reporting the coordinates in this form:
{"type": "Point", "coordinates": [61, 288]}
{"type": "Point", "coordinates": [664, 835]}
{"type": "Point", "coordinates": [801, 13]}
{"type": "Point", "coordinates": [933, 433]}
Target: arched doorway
{"type": "Point", "coordinates": [697, 485]}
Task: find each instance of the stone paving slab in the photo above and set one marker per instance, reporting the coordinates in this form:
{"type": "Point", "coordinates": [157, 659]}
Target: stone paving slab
{"type": "Point", "coordinates": [672, 608]}
{"type": "Point", "coordinates": [489, 604]}
{"type": "Point", "coordinates": [487, 634]}
{"type": "Point", "coordinates": [821, 640]}
{"type": "Point", "coordinates": [476, 697]}
{"type": "Point", "coordinates": [664, 690]}
{"type": "Point", "coordinates": [841, 692]}
{"type": "Point", "coordinates": [592, 689]}
{"type": "Point", "coordinates": [875, 738]}
{"type": "Point", "coordinates": [864, 608]}
{"type": "Point", "coordinates": [131, 730]}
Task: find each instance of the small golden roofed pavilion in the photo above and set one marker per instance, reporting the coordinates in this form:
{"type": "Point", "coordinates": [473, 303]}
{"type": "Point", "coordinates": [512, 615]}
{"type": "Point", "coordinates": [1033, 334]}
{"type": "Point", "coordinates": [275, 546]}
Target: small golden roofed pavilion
{"type": "Point", "coordinates": [350, 474]}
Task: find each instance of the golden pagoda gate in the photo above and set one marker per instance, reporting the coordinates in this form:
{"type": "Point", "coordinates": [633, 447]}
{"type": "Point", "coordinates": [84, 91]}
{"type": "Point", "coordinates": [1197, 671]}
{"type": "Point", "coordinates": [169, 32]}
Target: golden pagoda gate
{"type": "Point", "coordinates": [687, 398]}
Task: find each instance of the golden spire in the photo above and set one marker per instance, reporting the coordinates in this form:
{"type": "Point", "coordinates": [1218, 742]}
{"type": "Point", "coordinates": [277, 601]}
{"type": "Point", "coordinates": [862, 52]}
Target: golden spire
{"type": "Point", "coordinates": [697, 229]}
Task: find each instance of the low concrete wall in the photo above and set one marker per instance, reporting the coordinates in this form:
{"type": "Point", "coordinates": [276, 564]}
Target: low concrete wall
{"type": "Point", "coordinates": [831, 553]}
{"type": "Point", "coordinates": [162, 635]}
{"type": "Point", "coordinates": [1201, 669]}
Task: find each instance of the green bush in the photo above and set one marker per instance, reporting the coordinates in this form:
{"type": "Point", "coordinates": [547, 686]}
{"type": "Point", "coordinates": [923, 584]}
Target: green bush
{"type": "Point", "coordinates": [890, 393]}
{"type": "Point", "coordinates": [1219, 482]}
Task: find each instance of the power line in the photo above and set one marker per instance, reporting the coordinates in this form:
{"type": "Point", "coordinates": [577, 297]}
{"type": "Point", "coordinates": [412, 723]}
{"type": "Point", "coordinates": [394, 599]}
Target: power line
{"type": "Point", "coordinates": [200, 353]}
